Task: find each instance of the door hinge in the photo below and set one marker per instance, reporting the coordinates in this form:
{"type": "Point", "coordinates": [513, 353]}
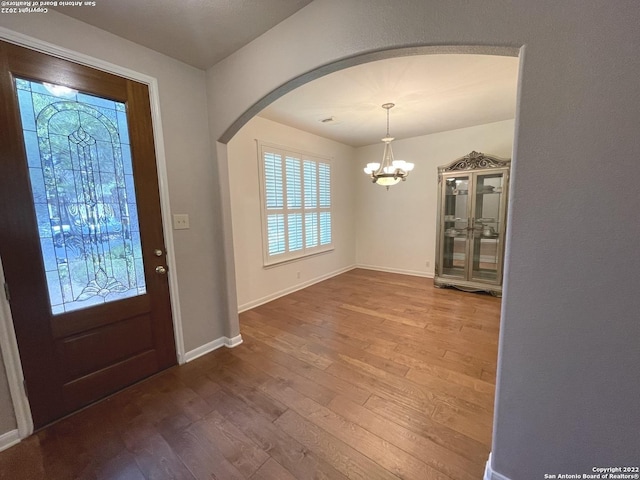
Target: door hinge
{"type": "Point", "coordinates": [6, 292]}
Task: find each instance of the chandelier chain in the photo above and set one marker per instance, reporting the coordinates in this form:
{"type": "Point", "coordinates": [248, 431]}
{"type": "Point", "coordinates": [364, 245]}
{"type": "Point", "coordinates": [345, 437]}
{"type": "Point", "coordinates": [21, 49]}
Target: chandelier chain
{"type": "Point", "coordinates": [387, 107]}
{"type": "Point", "coordinates": [387, 122]}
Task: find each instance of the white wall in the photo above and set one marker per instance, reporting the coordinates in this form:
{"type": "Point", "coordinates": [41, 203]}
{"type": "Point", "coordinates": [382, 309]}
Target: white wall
{"type": "Point", "coordinates": [406, 242]}
{"type": "Point", "coordinates": [404, 245]}
{"type": "Point", "coordinates": [256, 284]}
{"type": "Point", "coordinates": [567, 391]}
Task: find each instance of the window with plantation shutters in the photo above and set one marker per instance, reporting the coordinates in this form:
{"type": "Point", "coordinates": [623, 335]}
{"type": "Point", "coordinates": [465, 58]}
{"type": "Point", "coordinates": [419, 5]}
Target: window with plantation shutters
{"type": "Point", "coordinates": [296, 196]}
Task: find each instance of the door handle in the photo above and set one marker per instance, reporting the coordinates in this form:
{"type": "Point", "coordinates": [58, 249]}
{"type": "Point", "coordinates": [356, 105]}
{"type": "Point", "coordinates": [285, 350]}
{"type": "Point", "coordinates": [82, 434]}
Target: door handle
{"type": "Point", "coordinates": [161, 270]}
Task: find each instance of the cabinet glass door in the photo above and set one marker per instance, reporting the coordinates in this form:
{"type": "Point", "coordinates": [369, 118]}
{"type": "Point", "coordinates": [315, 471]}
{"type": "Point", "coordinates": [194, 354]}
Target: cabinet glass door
{"type": "Point", "coordinates": [487, 229]}
{"type": "Point", "coordinates": [455, 251]}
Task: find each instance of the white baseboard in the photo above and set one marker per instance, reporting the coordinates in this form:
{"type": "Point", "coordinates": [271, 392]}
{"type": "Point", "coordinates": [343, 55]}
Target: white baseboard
{"type": "Point", "coordinates": [490, 474]}
{"type": "Point", "coordinates": [266, 299]}
{"type": "Point", "coordinates": [256, 303]}
{"type": "Point", "coordinates": [211, 346]}
{"type": "Point", "coordinates": [414, 273]}
{"type": "Point", "coordinates": [9, 439]}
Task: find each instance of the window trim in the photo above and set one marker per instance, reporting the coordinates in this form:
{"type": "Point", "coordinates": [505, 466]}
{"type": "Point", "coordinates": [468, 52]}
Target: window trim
{"type": "Point", "coordinates": [305, 252]}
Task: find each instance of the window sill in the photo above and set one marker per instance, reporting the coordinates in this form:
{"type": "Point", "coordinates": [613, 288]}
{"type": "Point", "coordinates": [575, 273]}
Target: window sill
{"type": "Point", "coordinates": [277, 263]}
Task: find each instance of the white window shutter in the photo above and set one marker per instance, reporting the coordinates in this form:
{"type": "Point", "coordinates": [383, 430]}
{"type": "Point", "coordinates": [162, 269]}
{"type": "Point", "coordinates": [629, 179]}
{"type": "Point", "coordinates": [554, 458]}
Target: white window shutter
{"type": "Point", "coordinates": [296, 195]}
{"type": "Point", "coordinates": [275, 233]}
{"type": "Point", "coordinates": [273, 180]}
{"type": "Point", "coordinates": [324, 182]}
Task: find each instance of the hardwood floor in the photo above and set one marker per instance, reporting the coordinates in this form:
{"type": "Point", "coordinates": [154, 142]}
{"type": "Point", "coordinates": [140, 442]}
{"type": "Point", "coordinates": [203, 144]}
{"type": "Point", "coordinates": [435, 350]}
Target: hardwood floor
{"type": "Point", "coordinates": [367, 375]}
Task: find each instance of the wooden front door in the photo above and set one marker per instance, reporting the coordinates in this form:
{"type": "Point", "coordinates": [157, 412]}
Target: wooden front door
{"type": "Point", "coordinates": [81, 235]}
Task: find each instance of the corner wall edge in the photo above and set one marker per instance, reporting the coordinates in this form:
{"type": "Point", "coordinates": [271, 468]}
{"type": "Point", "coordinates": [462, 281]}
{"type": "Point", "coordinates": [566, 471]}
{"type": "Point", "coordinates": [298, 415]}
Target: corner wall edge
{"type": "Point", "coordinates": [490, 474]}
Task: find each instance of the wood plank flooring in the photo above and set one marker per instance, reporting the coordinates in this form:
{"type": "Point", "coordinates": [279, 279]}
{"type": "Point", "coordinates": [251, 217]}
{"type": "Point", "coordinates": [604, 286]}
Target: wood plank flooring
{"type": "Point", "coordinates": [367, 375]}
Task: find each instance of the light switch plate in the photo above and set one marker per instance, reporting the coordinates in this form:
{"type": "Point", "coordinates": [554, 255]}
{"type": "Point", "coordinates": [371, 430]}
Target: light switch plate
{"type": "Point", "coordinates": [180, 221]}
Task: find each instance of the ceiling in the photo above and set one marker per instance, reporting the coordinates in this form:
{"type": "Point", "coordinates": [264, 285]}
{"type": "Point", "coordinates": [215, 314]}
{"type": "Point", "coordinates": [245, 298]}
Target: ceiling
{"type": "Point", "coordinates": [432, 93]}
{"type": "Point", "coordinates": [196, 32]}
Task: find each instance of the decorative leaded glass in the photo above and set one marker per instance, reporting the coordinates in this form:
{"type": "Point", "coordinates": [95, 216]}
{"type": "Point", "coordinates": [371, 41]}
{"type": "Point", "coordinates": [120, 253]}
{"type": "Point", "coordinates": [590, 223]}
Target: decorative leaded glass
{"type": "Point", "coordinates": [79, 161]}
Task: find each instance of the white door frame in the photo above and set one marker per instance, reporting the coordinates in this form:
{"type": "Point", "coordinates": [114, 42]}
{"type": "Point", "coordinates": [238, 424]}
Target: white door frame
{"type": "Point", "coordinates": [8, 342]}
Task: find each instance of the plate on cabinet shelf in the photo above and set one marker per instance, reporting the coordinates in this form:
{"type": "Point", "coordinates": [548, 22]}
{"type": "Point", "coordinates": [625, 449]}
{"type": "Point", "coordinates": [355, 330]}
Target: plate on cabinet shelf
{"type": "Point", "coordinates": [486, 220]}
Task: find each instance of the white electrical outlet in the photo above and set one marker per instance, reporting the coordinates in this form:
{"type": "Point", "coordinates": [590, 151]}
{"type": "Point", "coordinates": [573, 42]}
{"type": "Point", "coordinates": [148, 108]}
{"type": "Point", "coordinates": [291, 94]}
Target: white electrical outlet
{"type": "Point", "coordinates": [180, 221]}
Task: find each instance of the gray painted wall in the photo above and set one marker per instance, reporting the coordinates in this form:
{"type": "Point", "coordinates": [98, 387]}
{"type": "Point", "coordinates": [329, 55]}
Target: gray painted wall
{"type": "Point", "coordinates": [7, 415]}
{"type": "Point", "coordinates": [568, 387]}
{"type": "Point", "coordinates": [192, 179]}
{"type": "Point", "coordinates": [186, 141]}
{"type": "Point", "coordinates": [7, 418]}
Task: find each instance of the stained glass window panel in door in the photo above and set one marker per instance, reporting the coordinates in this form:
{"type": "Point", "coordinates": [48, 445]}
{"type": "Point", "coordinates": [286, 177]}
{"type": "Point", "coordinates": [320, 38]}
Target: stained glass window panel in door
{"type": "Point", "coordinates": [79, 161]}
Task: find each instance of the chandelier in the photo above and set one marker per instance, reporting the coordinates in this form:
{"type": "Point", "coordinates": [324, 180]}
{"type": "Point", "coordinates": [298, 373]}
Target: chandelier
{"type": "Point", "coordinates": [390, 171]}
